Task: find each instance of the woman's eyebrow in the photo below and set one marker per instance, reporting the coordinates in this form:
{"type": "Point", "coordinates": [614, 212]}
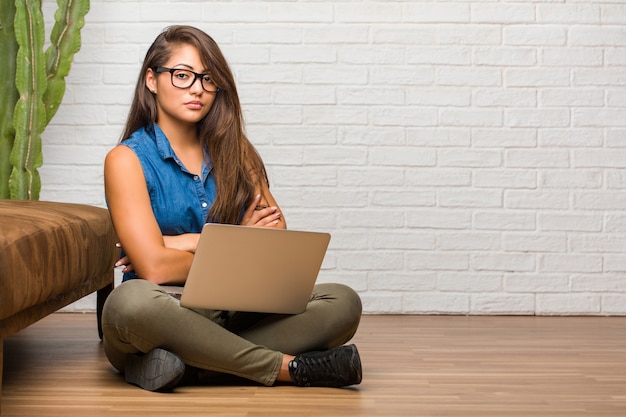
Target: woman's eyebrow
{"type": "Point", "coordinates": [204, 71]}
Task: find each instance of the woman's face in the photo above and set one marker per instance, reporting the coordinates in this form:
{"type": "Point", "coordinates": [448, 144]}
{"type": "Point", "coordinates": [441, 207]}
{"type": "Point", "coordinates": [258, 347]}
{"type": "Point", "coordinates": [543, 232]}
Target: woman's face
{"type": "Point", "coordinates": [177, 105]}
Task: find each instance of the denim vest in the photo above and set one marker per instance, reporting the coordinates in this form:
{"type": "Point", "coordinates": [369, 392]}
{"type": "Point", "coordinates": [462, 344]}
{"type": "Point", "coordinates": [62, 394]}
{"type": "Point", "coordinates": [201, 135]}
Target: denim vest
{"type": "Point", "coordinates": [180, 199]}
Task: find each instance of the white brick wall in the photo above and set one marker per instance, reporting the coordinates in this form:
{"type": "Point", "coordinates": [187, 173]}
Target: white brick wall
{"type": "Point", "coordinates": [468, 156]}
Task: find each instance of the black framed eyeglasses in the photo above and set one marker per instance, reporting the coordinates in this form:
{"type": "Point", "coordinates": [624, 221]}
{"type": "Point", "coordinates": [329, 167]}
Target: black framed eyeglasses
{"type": "Point", "coordinates": [183, 78]}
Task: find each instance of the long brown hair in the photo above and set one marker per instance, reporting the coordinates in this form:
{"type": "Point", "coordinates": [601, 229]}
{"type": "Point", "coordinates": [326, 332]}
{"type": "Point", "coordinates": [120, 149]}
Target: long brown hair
{"type": "Point", "coordinates": [237, 166]}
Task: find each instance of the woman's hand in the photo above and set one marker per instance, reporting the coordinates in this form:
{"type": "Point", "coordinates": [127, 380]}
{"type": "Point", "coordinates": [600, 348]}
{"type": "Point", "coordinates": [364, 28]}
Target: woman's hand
{"type": "Point", "coordinates": [123, 261]}
{"type": "Point", "coordinates": [261, 215]}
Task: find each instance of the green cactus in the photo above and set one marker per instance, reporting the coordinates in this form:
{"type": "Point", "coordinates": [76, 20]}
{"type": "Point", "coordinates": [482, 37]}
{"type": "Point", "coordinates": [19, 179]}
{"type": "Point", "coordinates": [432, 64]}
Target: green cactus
{"type": "Point", "coordinates": [35, 84]}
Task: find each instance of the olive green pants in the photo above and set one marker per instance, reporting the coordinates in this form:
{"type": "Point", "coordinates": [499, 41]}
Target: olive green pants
{"type": "Point", "coordinates": [139, 316]}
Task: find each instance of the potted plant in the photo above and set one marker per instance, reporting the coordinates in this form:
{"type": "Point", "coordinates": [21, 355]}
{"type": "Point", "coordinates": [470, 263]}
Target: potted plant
{"type": "Point", "coordinates": [32, 82]}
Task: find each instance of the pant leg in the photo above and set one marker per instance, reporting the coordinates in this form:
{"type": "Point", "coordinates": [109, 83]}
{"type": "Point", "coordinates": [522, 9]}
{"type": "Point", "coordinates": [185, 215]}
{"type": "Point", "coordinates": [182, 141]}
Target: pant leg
{"type": "Point", "coordinates": [139, 316]}
{"type": "Point", "coordinates": [331, 319]}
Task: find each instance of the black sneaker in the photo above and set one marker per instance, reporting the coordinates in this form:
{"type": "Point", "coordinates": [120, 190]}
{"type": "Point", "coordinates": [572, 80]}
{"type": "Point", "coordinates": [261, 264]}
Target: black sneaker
{"type": "Point", "coordinates": [157, 370]}
{"type": "Point", "coordinates": [338, 367]}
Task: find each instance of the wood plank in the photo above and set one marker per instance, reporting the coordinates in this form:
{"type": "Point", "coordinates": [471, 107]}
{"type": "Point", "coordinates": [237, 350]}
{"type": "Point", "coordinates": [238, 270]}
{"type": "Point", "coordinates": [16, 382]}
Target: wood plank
{"type": "Point", "coordinates": [413, 365]}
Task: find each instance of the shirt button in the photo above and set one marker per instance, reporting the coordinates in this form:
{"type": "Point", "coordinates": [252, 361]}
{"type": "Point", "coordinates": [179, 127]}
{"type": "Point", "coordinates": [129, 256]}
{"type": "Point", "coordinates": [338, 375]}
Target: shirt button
{"type": "Point", "coordinates": [204, 204]}
{"type": "Point", "coordinates": [195, 177]}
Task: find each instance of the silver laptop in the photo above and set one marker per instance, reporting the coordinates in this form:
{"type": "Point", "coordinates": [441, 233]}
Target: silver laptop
{"type": "Point", "coordinates": [265, 270]}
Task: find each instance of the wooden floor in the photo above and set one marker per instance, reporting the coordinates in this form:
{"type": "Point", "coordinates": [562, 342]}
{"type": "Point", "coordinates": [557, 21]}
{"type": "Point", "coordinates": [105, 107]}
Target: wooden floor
{"type": "Point", "coordinates": [413, 366]}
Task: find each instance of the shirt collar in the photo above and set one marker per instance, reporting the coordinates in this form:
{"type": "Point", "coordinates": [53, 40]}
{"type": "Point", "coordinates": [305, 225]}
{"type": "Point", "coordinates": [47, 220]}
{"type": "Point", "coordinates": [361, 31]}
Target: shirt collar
{"type": "Point", "coordinates": [166, 152]}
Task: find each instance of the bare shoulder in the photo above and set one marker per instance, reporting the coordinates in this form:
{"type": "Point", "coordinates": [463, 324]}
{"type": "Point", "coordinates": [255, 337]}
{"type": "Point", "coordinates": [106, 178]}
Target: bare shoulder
{"type": "Point", "coordinates": [120, 155]}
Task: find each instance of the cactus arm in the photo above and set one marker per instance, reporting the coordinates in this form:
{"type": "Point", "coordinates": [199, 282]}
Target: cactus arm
{"type": "Point", "coordinates": [8, 52]}
{"type": "Point", "coordinates": [65, 42]}
{"type": "Point", "coordinates": [29, 117]}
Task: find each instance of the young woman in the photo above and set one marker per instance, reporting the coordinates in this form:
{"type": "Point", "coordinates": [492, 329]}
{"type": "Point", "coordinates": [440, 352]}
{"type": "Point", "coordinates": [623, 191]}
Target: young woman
{"type": "Point", "coordinates": [185, 160]}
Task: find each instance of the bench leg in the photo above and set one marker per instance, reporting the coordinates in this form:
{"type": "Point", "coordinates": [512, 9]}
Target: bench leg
{"type": "Point", "coordinates": [102, 295]}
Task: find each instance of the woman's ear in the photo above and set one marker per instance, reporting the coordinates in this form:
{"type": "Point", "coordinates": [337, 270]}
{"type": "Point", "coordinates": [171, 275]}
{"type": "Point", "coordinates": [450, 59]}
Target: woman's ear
{"type": "Point", "coordinates": [151, 81]}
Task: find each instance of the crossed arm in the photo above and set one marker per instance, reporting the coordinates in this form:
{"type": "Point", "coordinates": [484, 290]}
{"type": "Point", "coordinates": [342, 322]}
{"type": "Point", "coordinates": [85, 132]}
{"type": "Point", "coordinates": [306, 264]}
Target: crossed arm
{"type": "Point", "coordinates": [157, 258]}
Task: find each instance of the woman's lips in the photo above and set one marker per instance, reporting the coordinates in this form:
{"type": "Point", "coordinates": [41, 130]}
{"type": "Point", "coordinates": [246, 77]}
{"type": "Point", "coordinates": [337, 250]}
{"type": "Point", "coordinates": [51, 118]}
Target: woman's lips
{"type": "Point", "coordinates": [194, 105]}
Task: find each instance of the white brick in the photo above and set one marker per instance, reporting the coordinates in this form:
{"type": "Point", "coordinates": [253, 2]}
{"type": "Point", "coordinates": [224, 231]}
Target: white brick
{"type": "Point", "coordinates": [504, 137]}
{"type": "Point", "coordinates": [382, 302]}
{"type": "Point", "coordinates": [585, 35]}
{"type": "Point", "coordinates": [300, 12]}
{"type": "Point", "coordinates": [502, 13]}
{"type": "Point", "coordinates": [597, 283]}
{"type": "Point", "coordinates": [535, 243]}
{"type": "Point", "coordinates": [615, 263]}
{"type": "Point", "coordinates": [469, 158]}
{"type": "Point", "coordinates": [304, 95]}
{"type": "Point", "coordinates": [371, 177]}
{"type": "Point", "coordinates": [469, 283]}
{"type": "Point", "coordinates": [571, 179]}
{"type": "Point", "coordinates": [403, 116]}
{"type": "Point", "coordinates": [571, 97]}
{"type": "Point", "coordinates": [502, 304]}
{"type": "Point", "coordinates": [408, 198]}
{"type": "Point", "coordinates": [568, 13]}
{"type": "Point", "coordinates": [366, 261]}
{"type": "Point", "coordinates": [435, 302]}
{"type": "Point", "coordinates": [605, 243]}
{"type": "Point", "coordinates": [367, 55]}
{"type": "Point", "coordinates": [374, 96]}
{"type": "Point", "coordinates": [536, 159]}
{"type": "Point", "coordinates": [402, 156]}
{"type": "Point", "coordinates": [600, 200]}
{"type": "Point", "coordinates": [520, 199]}
{"type": "Point", "coordinates": [303, 55]}
{"type": "Point", "coordinates": [438, 177]}
{"type": "Point", "coordinates": [572, 57]}
{"type": "Point", "coordinates": [569, 222]}
{"type": "Point", "coordinates": [439, 219]}
{"type": "Point", "coordinates": [599, 77]}
{"type": "Point", "coordinates": [530, 77]}
{"type": "Point", "coordinates": [504, 98]}
{"type": "Point", "coordinates": [534, 35]}
{"type": "Point", "coordinates": [409, 34]}
{"type": "Point", "coordinates": [570, 137]}
{"type": "Point", "coordinates": [453, 55]}
{"type": "Point", "coordinates": [570, 263]}
{"type": "Point", "coordinates": [471, 117]}
{"type": "Point", "coordinates": [615, 179]}
{"type": "Point", "coordinates": [438, 137]}
{"type": "Point", "coordinates": [504, 220]}
{"type": "Point", "coordinates": [355, 135]}
{"type": "Point", "coordinates": [568, 304]}
{"type": "Point", "coordinates": [537, 118]}
{"type": "Point", "coordinates": [406, 282]}
{"type": "Point", "coordinates": [610, 158]}
{"type": "Point", "coordinates": [505, 56]}
{"type": "Point", "coordinates": [470, 241]}
{"type": "Point", "coordinates": [506, 262]}
{"type": "Point", "coordinates": [500, 178]}
{"type": "Point", "coordinates": [469, 35]}
{"type": "Point", "coordinates": [533, 283]}
{"type": "Point", "coordinates": [387, 218]}
{"type": "Point", "coordinates": [470, 199]}
{"type": "Point", "coordinates": [436, 12]}
{"type": "Point", "coordinates": [616, 138]}
{"type": "Point", "coordinates": [463, 76]}
{"type": "Point", "coordinates": [441, 96]}
{"type": "Point", "coordinates": [614, 304]}
{"type": "Point", "coordinates": [402, 240]}
{"type": "Point", "coordinates": [444, 261]}
{"type": "Point", "coordinates": [372, 12]}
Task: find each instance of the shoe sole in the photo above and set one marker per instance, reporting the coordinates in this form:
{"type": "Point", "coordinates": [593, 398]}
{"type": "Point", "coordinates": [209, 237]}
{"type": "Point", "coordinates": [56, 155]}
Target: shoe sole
{"type": "Point", "coordinates": [157, 370]}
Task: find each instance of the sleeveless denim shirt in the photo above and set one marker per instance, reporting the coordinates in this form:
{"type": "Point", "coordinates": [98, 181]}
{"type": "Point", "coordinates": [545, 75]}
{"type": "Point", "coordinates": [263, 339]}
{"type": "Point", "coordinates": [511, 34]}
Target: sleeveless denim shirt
{"type": "Point", "coordinates": [180, 199]}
